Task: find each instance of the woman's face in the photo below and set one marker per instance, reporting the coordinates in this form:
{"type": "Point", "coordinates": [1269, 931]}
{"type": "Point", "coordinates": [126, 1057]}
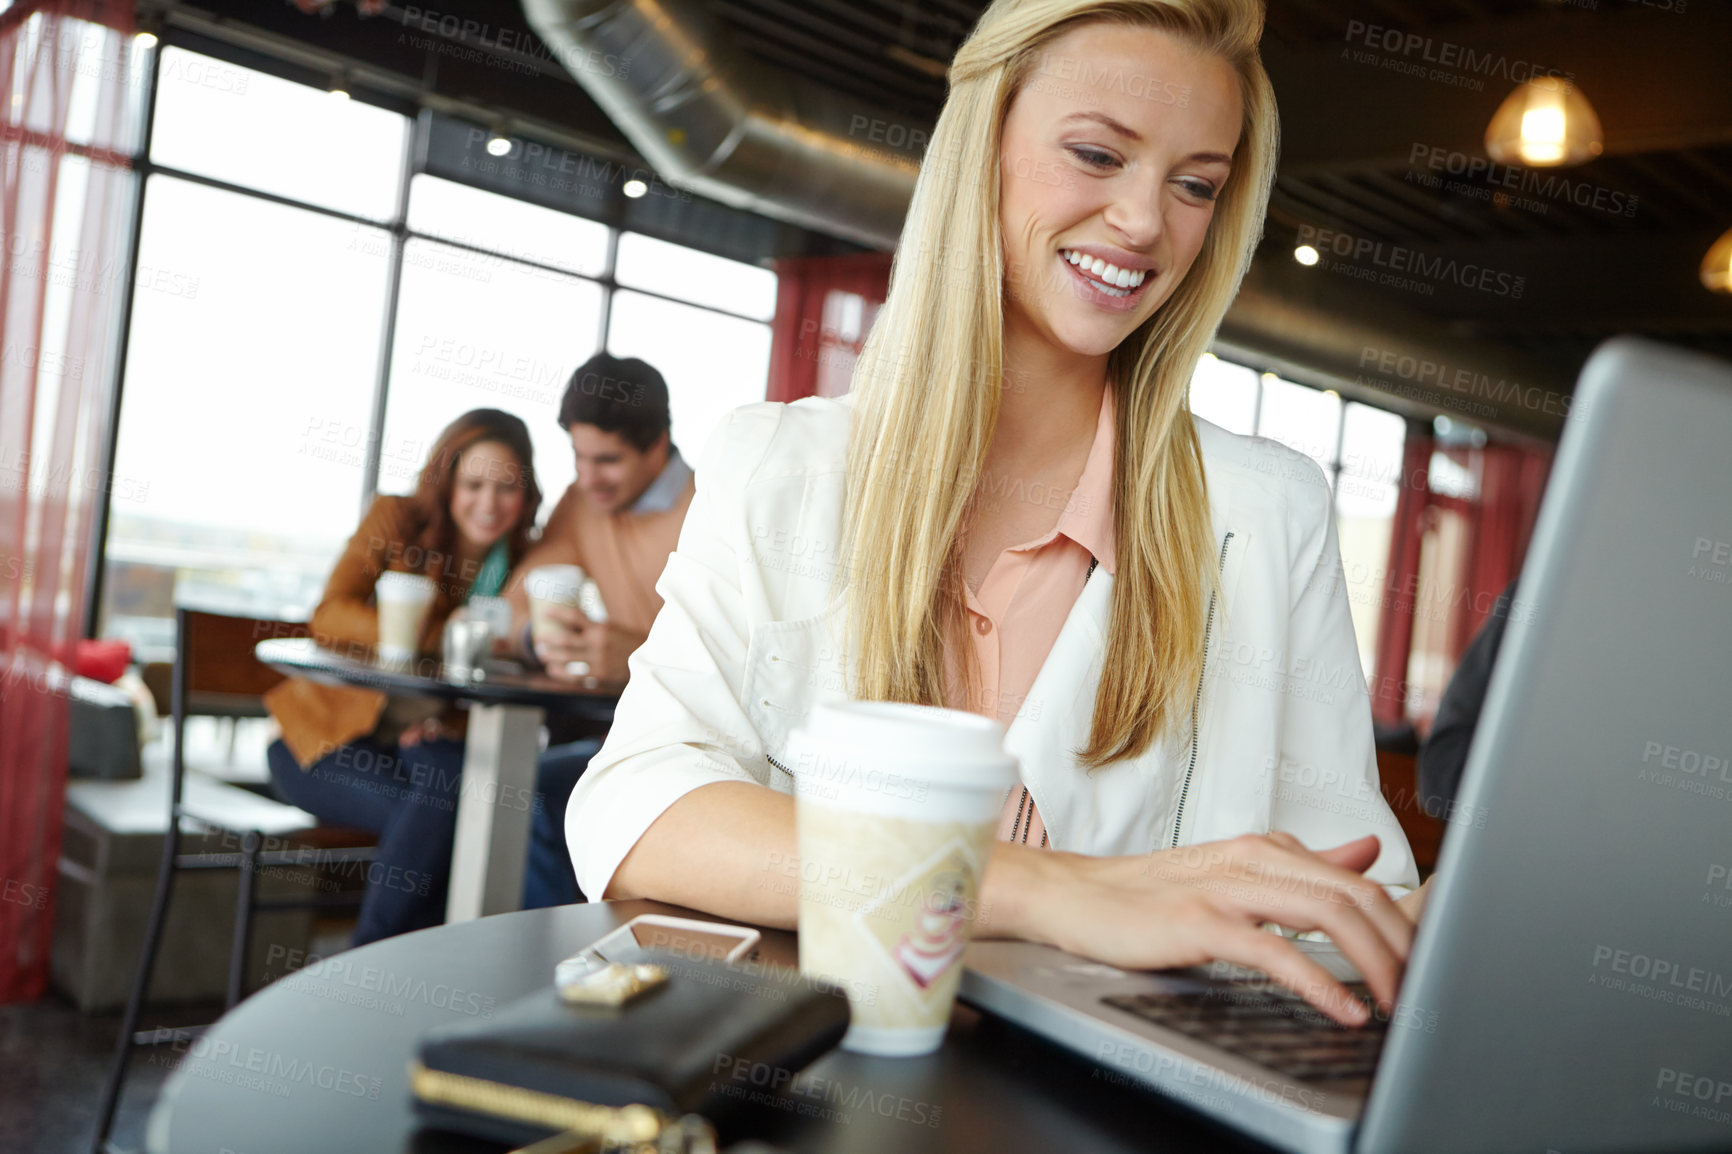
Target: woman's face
{"type": "Point", "coordinates": [1115, 149]}
{"type": "Point", "coordinates": [487, 498]}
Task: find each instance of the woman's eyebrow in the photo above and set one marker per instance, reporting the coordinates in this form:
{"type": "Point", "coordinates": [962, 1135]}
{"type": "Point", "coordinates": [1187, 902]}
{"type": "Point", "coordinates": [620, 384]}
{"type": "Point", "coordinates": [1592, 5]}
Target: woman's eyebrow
{"type": "Point", "coordinates": [1132, 134]}
{"type": "Point", "coordinates": [1117, 126]}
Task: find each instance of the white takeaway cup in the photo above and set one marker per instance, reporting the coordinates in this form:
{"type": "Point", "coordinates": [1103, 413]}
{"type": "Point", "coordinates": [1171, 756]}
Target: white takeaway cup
{"type": "Point", "coordinates": [897, 807]}
{"type": "Point", "coordinates": [553, 585]}
{"type": "Point", "coordinates": [403, 600]}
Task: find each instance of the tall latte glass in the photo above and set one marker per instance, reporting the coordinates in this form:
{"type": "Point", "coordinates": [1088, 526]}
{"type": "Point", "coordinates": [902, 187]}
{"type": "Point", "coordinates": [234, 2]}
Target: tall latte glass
{"type": "Point", "coordinates": [403, 600]}
{"type": "Point", "coordinates": [897, 806]}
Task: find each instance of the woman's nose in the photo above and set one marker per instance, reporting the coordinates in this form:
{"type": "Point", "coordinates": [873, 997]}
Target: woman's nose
{"type": "Point", "coordinates": [1137, 215]}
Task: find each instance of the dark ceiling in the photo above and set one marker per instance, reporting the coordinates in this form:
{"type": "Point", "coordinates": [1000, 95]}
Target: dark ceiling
{"type": "Point", "coordinates": [1609, 246]}
{"type": "Point", "coordinates": [1369, 148]}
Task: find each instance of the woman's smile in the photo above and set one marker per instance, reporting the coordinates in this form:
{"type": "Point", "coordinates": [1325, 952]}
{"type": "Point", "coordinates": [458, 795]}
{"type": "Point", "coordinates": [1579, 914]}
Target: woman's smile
{"type": "Point", "coordinates": [1104, 284]}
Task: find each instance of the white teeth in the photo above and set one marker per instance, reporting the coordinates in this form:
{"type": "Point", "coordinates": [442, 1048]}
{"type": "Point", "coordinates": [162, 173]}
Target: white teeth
{"type": "Point", "coordinates": [1121, 279]}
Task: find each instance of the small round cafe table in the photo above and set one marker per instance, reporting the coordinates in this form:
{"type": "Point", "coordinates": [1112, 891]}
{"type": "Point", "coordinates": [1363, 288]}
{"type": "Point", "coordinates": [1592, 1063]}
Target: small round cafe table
{"type": "Point", "coordinates": [506, 709]}
{"type": "Point", "coordinates": [318, 1062]}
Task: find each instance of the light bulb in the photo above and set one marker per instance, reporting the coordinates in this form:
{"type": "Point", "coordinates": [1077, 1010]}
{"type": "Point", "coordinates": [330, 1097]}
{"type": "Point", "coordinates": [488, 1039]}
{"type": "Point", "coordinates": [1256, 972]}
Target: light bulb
{"type": "Point", "coordinates": [1543, 123]}
{"type": "Point", "coordinates": [1717, 265]}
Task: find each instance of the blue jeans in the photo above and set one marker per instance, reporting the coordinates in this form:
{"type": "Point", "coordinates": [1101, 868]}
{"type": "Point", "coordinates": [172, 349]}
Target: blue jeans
{"type": "Point", "coordinates": [548, 879]}
{"type": "Point", "coordinates": [408, 797]}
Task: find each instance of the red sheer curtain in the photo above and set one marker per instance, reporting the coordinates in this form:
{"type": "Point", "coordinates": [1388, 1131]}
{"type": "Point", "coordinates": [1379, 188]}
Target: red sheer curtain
{"type": "Point", "coordinates": [68, 103]}
{"type": "Point", "coordinates": [1395, 632]}
{"type": "Point", "coordinates": [1499, 520]}
{"type": "Point", "coordinates": [1512, 480]}
{"type": "Point", "coordinates": [824, 309]}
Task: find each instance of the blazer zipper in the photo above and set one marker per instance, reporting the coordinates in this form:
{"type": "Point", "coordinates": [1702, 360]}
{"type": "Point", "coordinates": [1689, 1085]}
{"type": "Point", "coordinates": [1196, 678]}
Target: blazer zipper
{"type": "Point", "coordinates": [1196, 702]}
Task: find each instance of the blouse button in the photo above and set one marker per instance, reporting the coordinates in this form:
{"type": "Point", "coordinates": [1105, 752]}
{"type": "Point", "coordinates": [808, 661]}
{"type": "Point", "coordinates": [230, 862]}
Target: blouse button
{"type": "Point", "coordinates": [982, 626]}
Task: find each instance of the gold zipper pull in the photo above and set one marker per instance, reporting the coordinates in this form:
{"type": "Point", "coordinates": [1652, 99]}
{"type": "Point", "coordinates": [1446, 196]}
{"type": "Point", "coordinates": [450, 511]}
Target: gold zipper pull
{"type": "Point", "coordinates": [687, 1135]}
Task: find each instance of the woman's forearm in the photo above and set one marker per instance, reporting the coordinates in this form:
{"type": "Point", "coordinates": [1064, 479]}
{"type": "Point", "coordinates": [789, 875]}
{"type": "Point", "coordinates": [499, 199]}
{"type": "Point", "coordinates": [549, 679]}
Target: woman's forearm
{"type": "Point", "coordinates": [727, 849]}
{"type": "Point", "coordinates": [744, 837]}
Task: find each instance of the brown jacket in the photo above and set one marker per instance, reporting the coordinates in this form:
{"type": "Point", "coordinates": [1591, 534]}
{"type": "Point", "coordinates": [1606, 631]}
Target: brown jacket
{"type": "Point", "coordinates": [317, 719]}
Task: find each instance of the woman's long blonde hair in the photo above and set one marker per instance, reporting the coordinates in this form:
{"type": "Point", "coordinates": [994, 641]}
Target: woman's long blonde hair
{"type": "Point", "coordinates": [928, 385]}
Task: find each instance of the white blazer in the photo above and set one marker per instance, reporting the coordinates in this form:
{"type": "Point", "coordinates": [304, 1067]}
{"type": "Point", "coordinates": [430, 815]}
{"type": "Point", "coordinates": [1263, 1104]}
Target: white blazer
{"type": "Point", "coordinates": [749, 639]}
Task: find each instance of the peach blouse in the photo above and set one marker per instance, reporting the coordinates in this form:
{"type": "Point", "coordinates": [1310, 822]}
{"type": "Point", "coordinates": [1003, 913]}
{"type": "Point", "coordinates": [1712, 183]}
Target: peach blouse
{"type": "Point", "coordinates": [1021, 605]}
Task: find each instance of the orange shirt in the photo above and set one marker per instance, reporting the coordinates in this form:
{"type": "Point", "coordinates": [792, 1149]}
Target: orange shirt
{"type": "Point", "coordinates": [625, 551]}
{"type": "Point", "coordinates": [1022, 604]}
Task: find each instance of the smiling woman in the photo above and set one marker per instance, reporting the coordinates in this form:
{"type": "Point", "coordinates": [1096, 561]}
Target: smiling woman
{"type": "Point", "coordinates": [1088, 204]}
{"type": "Point", "coordinates": [394, 765]}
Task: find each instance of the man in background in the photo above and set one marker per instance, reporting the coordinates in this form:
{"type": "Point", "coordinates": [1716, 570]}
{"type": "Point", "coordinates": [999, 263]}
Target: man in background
{"type": "Point", "coordinates": [619, 520]}
{"type": "Point", "coordinates": [1443, 757]}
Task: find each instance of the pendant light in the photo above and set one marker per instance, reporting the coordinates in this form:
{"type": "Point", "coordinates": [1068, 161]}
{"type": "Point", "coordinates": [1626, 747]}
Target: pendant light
{"type": "Point", "coordinates": [1544, 123]}
{"type": "Point", "coordinates": [1717, 265]}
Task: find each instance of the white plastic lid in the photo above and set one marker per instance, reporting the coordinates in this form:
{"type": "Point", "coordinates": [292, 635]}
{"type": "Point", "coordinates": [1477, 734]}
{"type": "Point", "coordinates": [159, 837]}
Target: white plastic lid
{"type": "Point", "coordinates": [946, 747]}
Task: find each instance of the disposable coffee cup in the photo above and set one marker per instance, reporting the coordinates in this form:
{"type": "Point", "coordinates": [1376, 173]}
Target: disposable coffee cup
{"type": "Point", "coordinates": [566, 586]}
{"type": "Point", "coordinates": [896, 810]}
{"type": "Point", "coordinates": [403, 600]}
{"type": "Point", "coordinates": [552, 586]}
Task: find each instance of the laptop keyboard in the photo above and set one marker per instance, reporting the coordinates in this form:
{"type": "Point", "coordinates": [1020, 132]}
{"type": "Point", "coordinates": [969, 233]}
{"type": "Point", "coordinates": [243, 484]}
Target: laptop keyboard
{"type": "Point", "coordinates": [1269, 1026]}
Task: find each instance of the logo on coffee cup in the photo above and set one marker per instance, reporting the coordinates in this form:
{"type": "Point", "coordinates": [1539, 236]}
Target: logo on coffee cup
{"type": "Point", "coordinates": [942, 890]}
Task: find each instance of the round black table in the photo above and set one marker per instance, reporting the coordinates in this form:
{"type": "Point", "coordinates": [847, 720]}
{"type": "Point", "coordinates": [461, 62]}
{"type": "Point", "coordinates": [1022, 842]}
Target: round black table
{"type": "Point", "coordinates": [318, 1062]}
{"type": "Point", "coordinates": [504, 682]}
{"type": "Point", "coordinates": [506, 709]}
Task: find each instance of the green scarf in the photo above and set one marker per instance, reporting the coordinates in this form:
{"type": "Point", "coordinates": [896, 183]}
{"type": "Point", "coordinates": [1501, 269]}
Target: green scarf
{"type": "Point", "coordinates": [491, 579]}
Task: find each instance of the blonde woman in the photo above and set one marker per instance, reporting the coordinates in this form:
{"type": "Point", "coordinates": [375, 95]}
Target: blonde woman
{"type": "Point", "coordinates": [1016, 513]}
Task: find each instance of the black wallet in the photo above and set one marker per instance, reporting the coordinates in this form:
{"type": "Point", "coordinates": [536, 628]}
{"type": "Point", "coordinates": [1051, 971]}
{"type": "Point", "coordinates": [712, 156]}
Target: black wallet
{"type": "Point", "coordinates": [628, 1076]}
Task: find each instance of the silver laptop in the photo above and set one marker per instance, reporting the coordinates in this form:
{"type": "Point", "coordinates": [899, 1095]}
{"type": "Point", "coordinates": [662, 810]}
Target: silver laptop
{"type": "Point", "coordinates": [1571, 985]}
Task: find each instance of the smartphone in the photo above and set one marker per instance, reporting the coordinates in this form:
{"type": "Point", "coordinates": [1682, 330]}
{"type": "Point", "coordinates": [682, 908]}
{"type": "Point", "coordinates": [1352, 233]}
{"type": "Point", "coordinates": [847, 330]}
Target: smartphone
{"type": "Point", "coordinates": [648, 934]}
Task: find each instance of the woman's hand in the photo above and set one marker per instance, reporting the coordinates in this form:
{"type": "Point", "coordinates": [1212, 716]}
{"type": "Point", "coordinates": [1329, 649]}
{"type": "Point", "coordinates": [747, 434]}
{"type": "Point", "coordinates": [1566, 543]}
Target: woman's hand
{"type": "Point", "coordinates": [424, 731]}
{"type": "Point", "coordinates": [1412, 905]}
{"type": "Point", "coordinates": [1203, 903]}
{"type": "Point", "coordinates": [602, 647]}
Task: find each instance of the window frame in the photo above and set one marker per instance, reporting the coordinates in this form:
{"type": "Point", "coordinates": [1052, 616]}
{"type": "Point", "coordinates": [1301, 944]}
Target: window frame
{"type": "Point", "coordinates": [412, 163]}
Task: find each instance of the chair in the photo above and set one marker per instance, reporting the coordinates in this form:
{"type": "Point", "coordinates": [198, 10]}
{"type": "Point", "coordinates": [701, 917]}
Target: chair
{"type": "Point", "coordinates": [216, 674]}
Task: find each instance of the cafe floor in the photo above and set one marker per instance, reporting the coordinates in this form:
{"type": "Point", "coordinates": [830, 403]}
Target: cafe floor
{"type": "Point", "coordinates": [54, 1060]}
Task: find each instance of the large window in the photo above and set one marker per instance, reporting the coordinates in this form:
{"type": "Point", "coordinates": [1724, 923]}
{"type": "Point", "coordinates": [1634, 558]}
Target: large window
{"type": "Point", "coordinates": [250, 420]}
{"type": "Point", "coordinates": [713, 362]}
{"type": "Point", "coordinates": [1359, 448]}
{"type": "Point", "coordinates": [478, 331]}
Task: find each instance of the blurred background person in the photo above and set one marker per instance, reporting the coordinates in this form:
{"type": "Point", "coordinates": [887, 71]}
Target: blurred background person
{"type": "Point", "coordinates": [619, 521]}
{"type": "Point", "coordinates": [393, 765]}
{"type": "Point", "coordinates": [1443, 757]}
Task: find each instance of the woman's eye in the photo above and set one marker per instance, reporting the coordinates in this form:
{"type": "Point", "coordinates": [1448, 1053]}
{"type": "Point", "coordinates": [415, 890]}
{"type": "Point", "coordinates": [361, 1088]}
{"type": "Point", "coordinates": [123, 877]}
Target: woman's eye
{"type": "Point", "coordinates": [1201, 189]}
{"type": "Point", "coordinates": [1093, 156]}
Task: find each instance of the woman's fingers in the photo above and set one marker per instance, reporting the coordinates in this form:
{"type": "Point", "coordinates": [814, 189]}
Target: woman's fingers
{"type": "Point", "coordinates": [1274, 878]}
{"type": "Point", "coordinates": [1345, 863]}
{"type": "Point", "coordinates": [1284, 963]}
{"type": "Point", "coordinates": [1357, 855]}
{"type": "Point", "coordinates": [1321, 905]}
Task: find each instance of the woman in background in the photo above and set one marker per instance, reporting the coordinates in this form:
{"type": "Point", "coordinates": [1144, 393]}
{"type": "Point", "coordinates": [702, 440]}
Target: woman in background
{"type": "Point", "coordinates": [392, 765]}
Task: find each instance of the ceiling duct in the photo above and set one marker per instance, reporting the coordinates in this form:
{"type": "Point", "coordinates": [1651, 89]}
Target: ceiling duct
{"type": "Point", "coordinates": [733, 130]}
{"type": "Point", "coordinates": [759, 138]}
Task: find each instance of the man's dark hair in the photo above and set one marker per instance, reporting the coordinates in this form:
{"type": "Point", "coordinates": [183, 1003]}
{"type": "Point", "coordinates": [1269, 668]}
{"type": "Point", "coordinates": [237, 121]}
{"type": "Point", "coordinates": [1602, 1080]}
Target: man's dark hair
{"type": "Point", "coordinates": [623, 396]}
